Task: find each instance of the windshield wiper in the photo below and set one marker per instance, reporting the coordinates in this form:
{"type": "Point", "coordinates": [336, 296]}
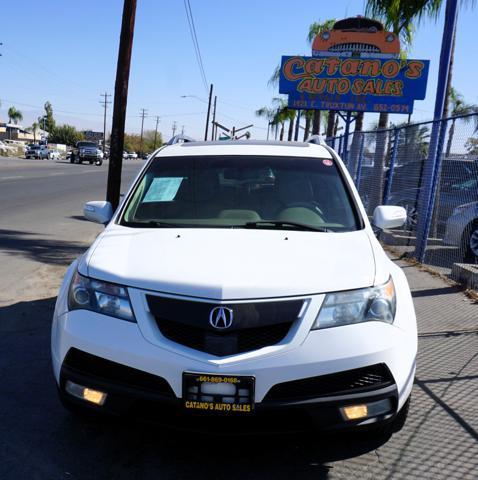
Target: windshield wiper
{"type": "Point", "coordinates": [151, 224]}
{"type": "Point", "coordinates": [285, 225]}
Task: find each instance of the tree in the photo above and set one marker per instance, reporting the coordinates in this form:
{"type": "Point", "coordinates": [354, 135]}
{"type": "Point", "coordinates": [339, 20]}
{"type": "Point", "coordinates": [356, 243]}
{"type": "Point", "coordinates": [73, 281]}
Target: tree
{"type": "Point", "coordinates": [65, 134]}
{"type": "Point", "coordinates": [34, 129]}
{"type": "Point", "coordinates": [315, 29]}
{"type": "Point", "coordinates": [14, 115]}
{"type": "Point", "coordinates": [46, 121]}
{"type": "Point", "coordinates": [471, 146]}
{"type": "Point", "coordinates": [397, 16]}
{"type": "Point", "coordinates": [268, 114]}
{"type": "Point", "coordinates": [458, 107]}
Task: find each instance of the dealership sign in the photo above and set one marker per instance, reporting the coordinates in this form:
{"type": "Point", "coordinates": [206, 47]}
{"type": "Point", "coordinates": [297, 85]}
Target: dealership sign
{"type": "Point", "coordinates": [353, 84]}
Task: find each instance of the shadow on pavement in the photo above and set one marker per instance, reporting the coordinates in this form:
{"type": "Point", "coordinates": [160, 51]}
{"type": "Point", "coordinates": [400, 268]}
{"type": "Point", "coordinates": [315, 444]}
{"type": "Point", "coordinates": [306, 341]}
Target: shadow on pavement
{"type": "Point", "coordinates": [28, 245]}
{"type": "Point", "coordinates": [42, 440]}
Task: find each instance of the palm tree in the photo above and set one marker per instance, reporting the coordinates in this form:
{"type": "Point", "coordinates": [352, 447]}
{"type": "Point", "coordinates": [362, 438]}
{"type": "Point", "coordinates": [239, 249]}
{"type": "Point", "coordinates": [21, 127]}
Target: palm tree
{"type": "Point", "coordinates": [34, 128]}
{"type": "Point", "coordinates": [458, 107]}
{"type": "Point", "coordinates": [14, 115]}
{"type": "Point", "coordinates": [268, 114]}
{"type": "Point", "coordinates": [397, 16]}
{"type": "Point", "coordinates": [315, 29]}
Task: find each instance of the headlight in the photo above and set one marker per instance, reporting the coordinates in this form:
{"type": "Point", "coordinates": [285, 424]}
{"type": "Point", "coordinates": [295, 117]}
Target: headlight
{"type": "Point", "coordinates": [460, 209]}
{"type": "Point", "coordinates": [390, 37]}
{"type": "Point", "coordinates": [326, 35]}
{"type": "Point", "coordinates": [356, 306]}
{"type": "Point", "coordinates": [102, 297]}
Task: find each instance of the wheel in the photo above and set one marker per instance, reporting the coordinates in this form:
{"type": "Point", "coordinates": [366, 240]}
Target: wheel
{"type": "Point", "coordinates": [99, 162]}
{"type": "Point", "coordinates": [412, 215]}
{"type": "Point", "coordinates": [470, 243]}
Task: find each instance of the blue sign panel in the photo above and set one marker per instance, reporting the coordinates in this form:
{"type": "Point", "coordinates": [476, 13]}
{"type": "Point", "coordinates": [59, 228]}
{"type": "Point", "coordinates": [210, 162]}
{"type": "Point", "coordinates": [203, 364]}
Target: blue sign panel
{"type": "Point", "coordinates": [355, 84]}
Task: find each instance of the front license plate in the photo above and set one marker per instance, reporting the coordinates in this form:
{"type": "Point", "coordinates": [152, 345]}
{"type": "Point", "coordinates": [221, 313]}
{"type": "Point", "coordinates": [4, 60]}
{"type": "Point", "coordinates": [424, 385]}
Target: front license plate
{"type": "Point", "coordinates": [218, 394]}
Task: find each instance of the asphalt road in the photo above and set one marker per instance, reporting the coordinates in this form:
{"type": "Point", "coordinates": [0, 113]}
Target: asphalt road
{"type": "Point", "coordinates": [41, 218]}
{"type": "Point", "coordinates": [41, 230]}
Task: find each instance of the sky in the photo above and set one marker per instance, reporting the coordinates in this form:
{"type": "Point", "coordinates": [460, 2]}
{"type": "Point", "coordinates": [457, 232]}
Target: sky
{"type": "Point", "coordinates": [65, 52]}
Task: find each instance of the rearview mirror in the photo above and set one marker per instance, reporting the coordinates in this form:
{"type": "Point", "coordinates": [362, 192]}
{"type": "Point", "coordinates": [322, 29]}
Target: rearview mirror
{"type": "Point", "coordinates": [98, 212]}
{"type": "Point", "coordinates": [389, 216]}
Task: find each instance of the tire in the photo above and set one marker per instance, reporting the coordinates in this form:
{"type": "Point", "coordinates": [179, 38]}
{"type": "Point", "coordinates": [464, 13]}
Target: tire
{"type": "Point", "coordinates": [99, 162]}
{"type": "Point", "coordinates": [470, 243]}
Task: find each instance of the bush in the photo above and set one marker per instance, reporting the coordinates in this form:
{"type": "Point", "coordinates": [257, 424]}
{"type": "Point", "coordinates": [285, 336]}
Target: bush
{"type": "Point", "coordinates": [66, 134]}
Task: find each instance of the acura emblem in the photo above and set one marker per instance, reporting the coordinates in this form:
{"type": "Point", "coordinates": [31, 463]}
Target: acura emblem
{"type": "Point", "coordinates": [221, 317]}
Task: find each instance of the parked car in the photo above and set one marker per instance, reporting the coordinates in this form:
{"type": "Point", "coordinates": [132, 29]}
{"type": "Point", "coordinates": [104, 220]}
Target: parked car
{"type": "Point", "coordinates": [462, 230]}
{"type": "Point", "coordinates": [125, 155]}
{"type": "Point", "coordinates": [242, 277]}
{"type": "Point", "coordinates": [132, 155]}
{"type": "Point", "coordinates": [6, 149]}
{"type": "Point", "coordinates": [85, 151]}
{"type": "Point", "coordinates": [454, 188]}
{"type": "Point", "coordinates": [54, 155]}
{"type": "Point", "coordinates": [37, 151]}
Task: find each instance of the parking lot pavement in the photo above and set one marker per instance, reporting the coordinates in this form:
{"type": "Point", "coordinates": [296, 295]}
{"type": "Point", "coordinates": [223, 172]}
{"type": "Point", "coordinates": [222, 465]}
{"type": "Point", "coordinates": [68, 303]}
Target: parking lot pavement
{"type": "Point", "coordinates": [40, 440]}
{"type": "Point", "coordinates": [42, 230]}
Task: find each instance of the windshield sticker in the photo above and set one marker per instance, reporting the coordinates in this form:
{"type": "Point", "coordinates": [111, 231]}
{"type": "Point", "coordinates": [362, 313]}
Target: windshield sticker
{"type": "Point", "coordinates": [327, 162]}
{"type": "Point", "coordinates": [163, 189]}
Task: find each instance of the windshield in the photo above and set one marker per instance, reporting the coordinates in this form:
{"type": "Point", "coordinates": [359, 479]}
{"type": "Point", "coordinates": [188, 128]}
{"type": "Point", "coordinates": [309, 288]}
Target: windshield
{"type": "Point", "coordinates": [241, 191]}
{"type": "Point", "coordinates": [87, 144]}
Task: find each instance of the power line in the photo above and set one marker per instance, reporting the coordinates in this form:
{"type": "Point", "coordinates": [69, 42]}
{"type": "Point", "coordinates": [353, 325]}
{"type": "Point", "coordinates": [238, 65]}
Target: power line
{"type": "Point", "coordinates": [197, 50]}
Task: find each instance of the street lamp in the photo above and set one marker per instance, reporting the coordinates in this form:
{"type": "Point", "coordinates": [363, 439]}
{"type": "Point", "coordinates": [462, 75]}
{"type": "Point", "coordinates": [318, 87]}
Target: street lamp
{"type": "Point", "coordinates": [208, 107]}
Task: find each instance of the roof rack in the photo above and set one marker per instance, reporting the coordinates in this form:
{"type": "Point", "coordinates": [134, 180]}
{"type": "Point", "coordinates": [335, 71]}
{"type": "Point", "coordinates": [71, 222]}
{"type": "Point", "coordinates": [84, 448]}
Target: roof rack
{"type": "Point", "coordinates": [180, 139]}
{"type": "Point", "coordinates": [317, 139]}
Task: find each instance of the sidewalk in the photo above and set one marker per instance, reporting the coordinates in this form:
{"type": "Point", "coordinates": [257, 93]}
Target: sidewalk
{"type": "Point", "coordinates": [439, 440]}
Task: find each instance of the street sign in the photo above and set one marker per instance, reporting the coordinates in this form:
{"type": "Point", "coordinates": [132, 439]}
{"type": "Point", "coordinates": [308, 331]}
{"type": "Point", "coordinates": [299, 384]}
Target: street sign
{"type": "Point", "coordinates": [353, 84]}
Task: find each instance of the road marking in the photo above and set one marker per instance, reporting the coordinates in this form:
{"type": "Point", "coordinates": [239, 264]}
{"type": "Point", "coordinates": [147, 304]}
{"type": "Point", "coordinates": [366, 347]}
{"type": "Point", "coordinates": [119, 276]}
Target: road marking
{"type": "Point", "coordinates": [12, 178]}
{"type": "Point", "coordinates": [55, 174]}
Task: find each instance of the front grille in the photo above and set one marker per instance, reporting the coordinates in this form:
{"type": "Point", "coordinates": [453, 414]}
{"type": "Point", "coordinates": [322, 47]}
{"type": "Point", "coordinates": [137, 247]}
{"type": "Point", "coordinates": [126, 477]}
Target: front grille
{"type": "Point", "coordinates": [254, 325]}
{"type": "Point", "coordinates": [354, 47]}
{"type": "Point", "coordinates": [222, 344]}
{"type": "Point", "coordinates": [78, 363]}
{"type": "Point", "coordinates": [341, 383]}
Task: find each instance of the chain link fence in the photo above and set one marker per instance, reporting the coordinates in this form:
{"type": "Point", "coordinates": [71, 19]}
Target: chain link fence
{"type": "Point", "coordinates": [405, 166]}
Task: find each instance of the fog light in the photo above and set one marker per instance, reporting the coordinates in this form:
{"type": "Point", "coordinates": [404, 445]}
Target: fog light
{"type": "Point", "coordinates": [85, 393]}
{"type": "Point", "coordinates": [354, 412]}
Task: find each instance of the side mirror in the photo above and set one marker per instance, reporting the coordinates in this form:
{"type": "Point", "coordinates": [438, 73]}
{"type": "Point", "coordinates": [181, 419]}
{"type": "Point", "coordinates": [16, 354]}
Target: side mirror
{"type": "Point", "coordinates": [389, 216]}
{"type": "Point", "coordinates": [98, 212]}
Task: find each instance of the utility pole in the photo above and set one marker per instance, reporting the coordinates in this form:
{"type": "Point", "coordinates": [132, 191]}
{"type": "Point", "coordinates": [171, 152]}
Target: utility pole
{"type": "Point", "coordinates": [174, 127]}
{"type": "Point", "coordinates": [213, 128]}
{"type": "Point", "coordinates": [208, 111]}
{"type": "Point", "coordinates": [182, 129]}
{"type": "Point", "coordinates": [156, 132]}
{"type": "Point", "coordinates": [120, 101]}
{"type": "Point", "coordinates": [144, 113]}
{"type": "Point", "coordinates": [105, 104]}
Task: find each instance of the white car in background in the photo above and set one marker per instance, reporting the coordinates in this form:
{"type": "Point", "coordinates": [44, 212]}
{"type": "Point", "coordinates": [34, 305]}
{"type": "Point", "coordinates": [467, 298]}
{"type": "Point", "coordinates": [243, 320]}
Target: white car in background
{"type": "Point", "coordinates": [238, 278]}
{"type": "Point", "coordinates": [462, 230]}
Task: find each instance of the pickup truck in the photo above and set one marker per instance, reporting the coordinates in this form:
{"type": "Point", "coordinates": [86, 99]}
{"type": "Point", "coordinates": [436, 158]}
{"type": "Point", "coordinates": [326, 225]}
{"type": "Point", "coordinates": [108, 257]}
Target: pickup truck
{"type": "Point", "coordinates": [37, 151]}
{"type": "Point", "coordinates": [86, 152]}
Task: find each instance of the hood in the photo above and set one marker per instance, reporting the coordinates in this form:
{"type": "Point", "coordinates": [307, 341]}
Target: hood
{"type": "Point", "coordinates": [228, 264]}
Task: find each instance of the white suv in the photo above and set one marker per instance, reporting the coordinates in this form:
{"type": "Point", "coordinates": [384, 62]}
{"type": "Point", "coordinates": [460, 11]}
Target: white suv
{"type": "Point", "coordinates": [238, 278]}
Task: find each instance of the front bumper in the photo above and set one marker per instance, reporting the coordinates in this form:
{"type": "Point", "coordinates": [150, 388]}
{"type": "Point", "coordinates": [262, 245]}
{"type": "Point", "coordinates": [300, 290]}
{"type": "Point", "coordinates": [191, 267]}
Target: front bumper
{"type": "Point", "coordinates": [137, 394]}
{"type": "Point", "coordinates": [303, 354]}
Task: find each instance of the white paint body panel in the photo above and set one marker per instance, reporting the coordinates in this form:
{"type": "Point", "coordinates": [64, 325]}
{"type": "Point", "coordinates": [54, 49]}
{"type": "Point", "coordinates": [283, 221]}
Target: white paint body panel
{"type": "Point", "coordinates": [218, 265]}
